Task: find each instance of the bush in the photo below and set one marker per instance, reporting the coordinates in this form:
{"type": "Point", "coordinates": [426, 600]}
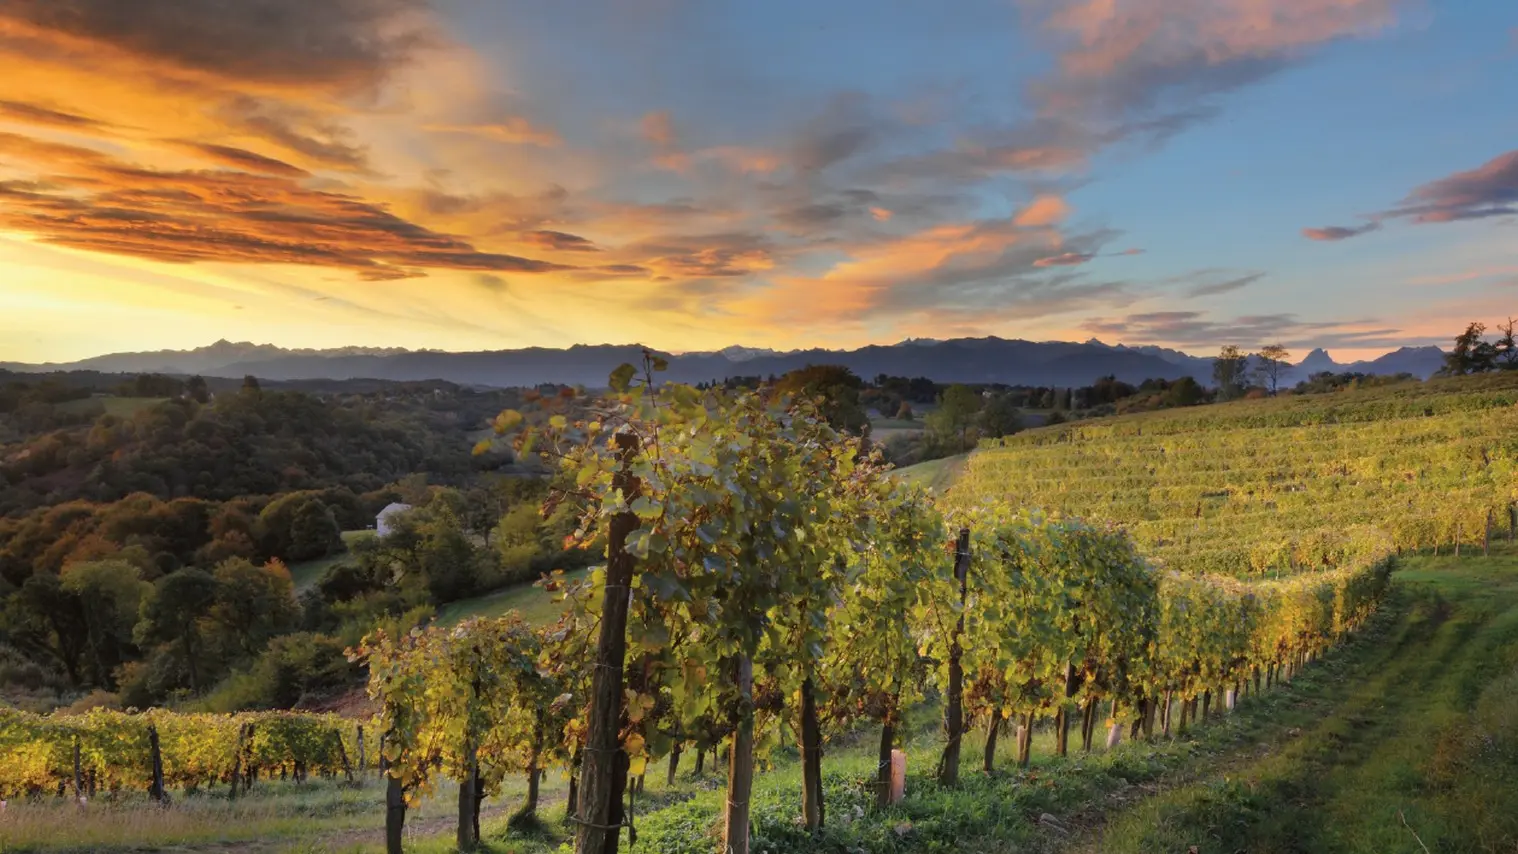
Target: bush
{"type": "Point", "coordinates": [295, 668]}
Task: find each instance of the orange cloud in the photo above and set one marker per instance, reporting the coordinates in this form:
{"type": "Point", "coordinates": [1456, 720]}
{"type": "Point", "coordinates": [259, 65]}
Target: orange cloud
{"type": "Point", "coordinates": [238, 158]}
{"type": "Point", "coordinates": [659, 129]}
{"type": "Point", "coordinates": [96, 202]}
{"type": "Point", "coordinates": [514, 130]}
{"type": "Point", "coordinates": [1043, 211]}
{"type": "Point", "coordinates": [970, 268]}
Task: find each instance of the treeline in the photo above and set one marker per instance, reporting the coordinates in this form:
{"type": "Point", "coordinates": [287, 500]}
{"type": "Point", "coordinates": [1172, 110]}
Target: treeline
{"type": "Point", "coordinates": [249, 441]}
{"type": "Point", "coordinates": [955, 416]}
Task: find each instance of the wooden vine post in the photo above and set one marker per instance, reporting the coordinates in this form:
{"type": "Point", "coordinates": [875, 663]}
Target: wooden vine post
{"type": "Point", "coordinates": [887, 744]}
{"type": "Point", "coordinates": [740, 772]}
{"type": "Point", "coordinates": [395, 814]}
{"type": "Point", "coordinates": [242, 733]}
{"type": "Point", "coordinates": [993, 729]}
{"type": "Point", "coordinates": [811, 757]}
{"type": "Point", "coordinates": [604, 777]}
{"type": "Point", "coordinates": [465, 838]}
{"type": "Point", "coordinates": [156, 791]}
{"type": "Point", "coordinates": [78, 772]}
{"type": "Point", "coordinates": [954, 715]}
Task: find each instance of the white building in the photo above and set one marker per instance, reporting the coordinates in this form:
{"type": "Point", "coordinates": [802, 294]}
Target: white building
{"type": "Point", "coordinates": [384, 522]}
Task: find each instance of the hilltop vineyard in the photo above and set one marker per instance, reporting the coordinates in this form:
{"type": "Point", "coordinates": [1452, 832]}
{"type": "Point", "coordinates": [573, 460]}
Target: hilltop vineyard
{"type": "Point", "coordinates": [1278, 486]}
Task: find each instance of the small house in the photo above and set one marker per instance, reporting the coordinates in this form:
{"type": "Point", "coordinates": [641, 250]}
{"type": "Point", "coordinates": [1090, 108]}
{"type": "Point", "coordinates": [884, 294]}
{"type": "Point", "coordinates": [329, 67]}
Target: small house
{"type": "Point", "coordinates": [384, 523]}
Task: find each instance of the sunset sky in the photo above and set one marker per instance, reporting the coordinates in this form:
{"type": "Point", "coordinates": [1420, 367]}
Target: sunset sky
{"type": "Point", "coordinates": [691, 174]}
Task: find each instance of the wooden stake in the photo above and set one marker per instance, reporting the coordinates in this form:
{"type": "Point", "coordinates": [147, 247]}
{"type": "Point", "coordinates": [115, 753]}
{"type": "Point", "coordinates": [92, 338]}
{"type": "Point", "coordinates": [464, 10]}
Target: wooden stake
{"type": "Point", "coordinates": [954, 718]}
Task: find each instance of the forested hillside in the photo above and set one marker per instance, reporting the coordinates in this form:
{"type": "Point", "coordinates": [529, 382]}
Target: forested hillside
{"type": "Point", "coordinates": [249, 441]}
{"type": "Point", "coordinates": [149, 526]}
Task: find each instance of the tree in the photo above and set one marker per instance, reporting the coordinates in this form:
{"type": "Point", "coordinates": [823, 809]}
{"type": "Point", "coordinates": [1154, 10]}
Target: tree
{"type": "Point", "coordinates": [53, 618]}
{"type": "Point", "coordinates": [1184, 392]}
{"type": "Point", "coordinates": [298, 526]}
{"type": "Point", "coordinates": [957, 408]}
{"type": "Point", "coordinates": [250, 386]}
{"type": "Point", "coordinates": [446, 557]}
{"type": "Point", "coordinates": [110, 594]}
{"type": "Point", "coordinates": [999, 417]}
{"type": "Point", "coordinates": [1228, 371]}
{"type": "Point", "coordinates": [835, 389]}
{"type": "Point", "coordinates": [196, 388]}
{"type": "Point", "coordinates": [1471, 354]}
{"type": "Point", "coordinates": [174, 611]}
{"type": "Point", "coordinates": [1273, 362]}
{"type": "Point", "coordinates": [1506, 348]}
{"type": "Point", "coordinates": [253, 604]}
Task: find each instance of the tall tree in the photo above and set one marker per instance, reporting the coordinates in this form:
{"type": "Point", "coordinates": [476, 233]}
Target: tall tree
{"type": "Point", "coordinates": [1273, 362]}
{"type": "Point", "coordinates": [1228, 371]}
{"type": "Point", "coordinates": [110, 593]}
{"type": "Point", "coordinates": [957, 408]}
{"type": "Point", "coordinates": [1471, 354]}
{"type": "Point", "coordinates": [835, 390]}
{"type": "Point", "coordinates": [999, 417]}
{"type": "Point", "coordinates": [1506, 347]}
{"type": "Point", "coordinates": [174, 612]}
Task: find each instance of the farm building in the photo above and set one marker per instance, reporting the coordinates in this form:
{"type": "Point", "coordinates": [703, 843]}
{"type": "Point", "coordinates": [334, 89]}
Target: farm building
{"type": "Point", "coordinates": [385, 521]}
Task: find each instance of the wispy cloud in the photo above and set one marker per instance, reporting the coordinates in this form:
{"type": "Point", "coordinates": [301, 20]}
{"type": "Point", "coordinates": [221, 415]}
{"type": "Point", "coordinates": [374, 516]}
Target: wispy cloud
{"type": "Point", "coordinates": [1196, 329]}
{"type": "Point", "coordinates": [1339, 232]}
{"type": "Point", "coordinates": [1489, 190]}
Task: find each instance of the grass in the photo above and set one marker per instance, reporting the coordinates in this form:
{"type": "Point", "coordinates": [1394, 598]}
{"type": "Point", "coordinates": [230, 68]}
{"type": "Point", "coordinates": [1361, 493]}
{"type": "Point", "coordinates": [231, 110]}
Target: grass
{"type": "Point", "coordinates": [1410, 747]}
{"type": "Point", "coordinates": [535, 604]}
{"type": "Point", "coordinates": [275, 816]}
{"type": "Point", "coordinates": [306, 573]}
{"type": "Point", "coordinates": [936, 475]}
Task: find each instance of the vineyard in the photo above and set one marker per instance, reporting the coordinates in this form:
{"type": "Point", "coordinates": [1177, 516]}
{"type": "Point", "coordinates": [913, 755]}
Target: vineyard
{"type": "Point", "coordinates": [1250, 489]}
{"type": "Point", "coordinates": [735, 610]}
{"type": "Point", "coordinates": [103, 752]}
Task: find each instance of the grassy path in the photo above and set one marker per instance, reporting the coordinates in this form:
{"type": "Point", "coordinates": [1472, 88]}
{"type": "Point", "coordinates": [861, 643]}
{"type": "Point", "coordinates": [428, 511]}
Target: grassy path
{"type": "Point", "coordinates": [1408, 743]}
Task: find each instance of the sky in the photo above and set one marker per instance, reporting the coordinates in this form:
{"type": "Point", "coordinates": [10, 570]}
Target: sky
{"type": "Point", "coordinates": [694, 174]}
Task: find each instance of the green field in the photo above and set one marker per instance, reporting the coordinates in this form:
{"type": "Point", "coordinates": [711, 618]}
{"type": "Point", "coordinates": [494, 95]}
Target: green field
{"type": "Point", "coordinates": [937, 475]}
{"type": "Point", "coordinates": [306, 573]}
{"type": "Point", "coordinates": [535, 604]}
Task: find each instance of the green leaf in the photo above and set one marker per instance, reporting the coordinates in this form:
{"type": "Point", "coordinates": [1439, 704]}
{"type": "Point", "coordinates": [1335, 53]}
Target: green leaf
{"type": "Point", "coordinates": [621, 379]}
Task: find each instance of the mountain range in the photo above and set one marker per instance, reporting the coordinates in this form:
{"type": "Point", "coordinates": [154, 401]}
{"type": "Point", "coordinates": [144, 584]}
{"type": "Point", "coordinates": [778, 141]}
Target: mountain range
{"type": "Point", "coordinates": [970, 360]}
